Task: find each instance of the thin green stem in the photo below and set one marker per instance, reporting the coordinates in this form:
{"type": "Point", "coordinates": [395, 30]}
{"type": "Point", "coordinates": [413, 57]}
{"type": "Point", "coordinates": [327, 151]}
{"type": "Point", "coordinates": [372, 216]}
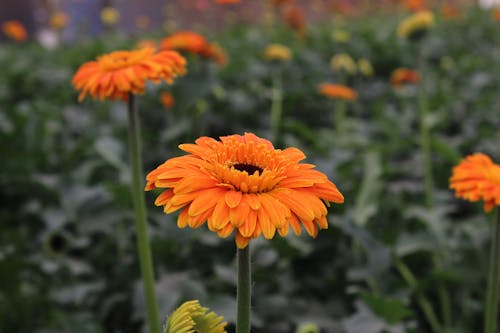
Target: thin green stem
{"type": "Point", "coordinates": [422, 301]}
{"type": "Point", "coordinates": [339, 116]}
{"type": "Point", "coordinates": [425, 142]}
{"type": "Point", "coordinates": [276, 106]}
{"type": "Point", "coordinates": [143, 247]}
{"type": "Point", "coordinates": [491, 314]}
{"type": "Point", "coordinates": [243, 292]}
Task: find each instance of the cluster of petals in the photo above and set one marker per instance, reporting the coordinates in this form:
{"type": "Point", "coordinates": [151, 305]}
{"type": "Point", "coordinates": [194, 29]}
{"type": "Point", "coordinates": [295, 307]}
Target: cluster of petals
{"type": "Point", "coordinates": [337, 91]}
{"type": "Point", "coordinates": [192, 42]}
{"type": "Point", "coordinates": [191, 317]}
{"type": "Point", "coordinates": [294, 18]}
{"type": "Point", "coordinates": [117, 74]}
{"type": "Point", "coordinates": [476, 178]}
{"type": "Point", "coordinates": [242, 184]}
{"type": "Point", "coordinates": [414, 5]}
{"type": "Point", "coordinates": [402, 76]}
{"type": "Point", "coordinates": [277, 52]}
{"type": "Point", "coordinates": [14, 30]}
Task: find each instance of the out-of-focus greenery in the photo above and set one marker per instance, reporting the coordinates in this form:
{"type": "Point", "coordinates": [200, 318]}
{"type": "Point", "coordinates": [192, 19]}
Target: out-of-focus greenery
{"type": "Point", "coordinates": [67, 250]}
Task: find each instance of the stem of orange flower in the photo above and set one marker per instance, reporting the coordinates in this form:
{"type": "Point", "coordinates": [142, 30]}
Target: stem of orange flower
{"type": "Point", "coordinates": [143, 247]}
{"type": "Point", "coordinates": [243, 291]}
{"type": "Point", "coordinates": [339, 116]}
{"type": "Point", "coordinates": [276, 106]}
{"type": "Point", "coordinates": [491, 314]}
{"type": "Point", "coordinates": [422, 301]}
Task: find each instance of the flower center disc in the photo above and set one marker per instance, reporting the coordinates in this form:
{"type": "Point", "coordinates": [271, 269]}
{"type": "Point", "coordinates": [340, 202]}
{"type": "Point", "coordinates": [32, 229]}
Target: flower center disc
{"type": "Point", "coordinates": [250, 169]}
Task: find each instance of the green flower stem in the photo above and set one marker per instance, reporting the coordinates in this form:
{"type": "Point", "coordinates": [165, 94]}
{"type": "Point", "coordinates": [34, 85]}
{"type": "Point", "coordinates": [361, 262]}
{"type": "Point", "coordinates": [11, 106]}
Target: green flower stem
{"type": "Point", "coordinates": [243, 292]}
{"type": "Point", "coordinates": [491, 314]}
{"type": "Point", "coordinates": [422, 301]}
{"type": "Point", "coordinates": [143, 246]}
{"type": "Point", "coordinates": [425, 141]}
{"type": "Point", "coordinates": [339, 116]}
{"type": "Point", "coordinates": [276, 106]}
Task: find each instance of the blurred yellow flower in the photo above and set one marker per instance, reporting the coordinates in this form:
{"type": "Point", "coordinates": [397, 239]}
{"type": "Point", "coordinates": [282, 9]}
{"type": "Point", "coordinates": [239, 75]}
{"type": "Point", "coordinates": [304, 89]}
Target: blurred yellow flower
{"type": "Point", "coordinates": [416, 25]}
{"type": "Point", "coordinates": [191, 317]}
{"type": "Point", "coordinates": [365, 67]}
{"type": "Point", "coordinates": [59, 20]}
{"type": "Point", "coordinates": [110, 15]}
{"type": "Point", "coordinates": [277, 52]}
{"type": "Point", "coordinates": [341, 36]}
{"type": "Point", "coordinates": [343, 63]}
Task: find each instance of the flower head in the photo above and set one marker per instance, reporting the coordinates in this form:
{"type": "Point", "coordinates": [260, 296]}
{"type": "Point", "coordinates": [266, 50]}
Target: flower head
{"type": "Point", "coordinates": [14, 30]}
{"type": "Point", "coordinates": [476, 178]}
{"type": "Point", "coordinates": [59, 20]}
{"type": "Point", "coordinates": [277, 52]}
{"type": "Point", "coordinates": [241, 183]}
{"type": "Point", "coordinates": [117, 74]}
{"type": "Point", "coordinates": [341, 35]}
{"type": "Point", "coordinates": [191, 317]}
{"type": "Point", "coordinates": [403, 76]}
{"type": "Point", "coordinates": [337, 91]}
{"type": "Point", "coordinates": [295, 20]}
{"type": "Point", "coordinates": [343, 63]}
{"type": "Point", "coordinates": [414, 5]}
{"type": "Point", "coordinates": [191, 42]}
{"type": "Point", "coordinates": [415, 26]}
{"type": "Point", "coordinates": [280, 3]}
{"type": "Point", "coordinates": [495, 14]}
{"type": "Point", "coordinates": [365, 67]}
{"type": "Point", "coordinates": [167, 100]}
{"type": "Point", "coordinates": [110, 16]}
{"type": "Point", "coordinates": [450, 12]}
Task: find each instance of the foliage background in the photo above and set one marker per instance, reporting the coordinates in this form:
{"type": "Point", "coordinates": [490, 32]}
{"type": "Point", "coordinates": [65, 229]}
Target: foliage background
{"type": "Point", "coordinates": [67, 250]}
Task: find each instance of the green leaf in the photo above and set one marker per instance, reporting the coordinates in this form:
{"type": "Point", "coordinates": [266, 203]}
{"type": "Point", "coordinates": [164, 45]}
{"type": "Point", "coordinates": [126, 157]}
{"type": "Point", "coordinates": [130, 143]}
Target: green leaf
{"type": "Point", "coordinates": [392, 310]}
{"type": "Point", "coordinates": [367, 200]}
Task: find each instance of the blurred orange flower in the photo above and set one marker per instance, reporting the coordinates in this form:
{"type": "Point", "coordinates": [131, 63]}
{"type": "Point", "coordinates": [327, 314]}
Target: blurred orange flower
{"type": "Point", "coordinates": [186, 41]}
{"type": "Point", "coordinates": [242, 183]}
{"type": "Point", "coordinates": [402, 76]}
{"type": "Point", "coordinates": [117, 74]}
{"type": "Point", "coordinates": [414, 5]}
{"type": "Point", "coordinates": [167, 99]}
{"type": "Point", "coordinates": [450, 12]}
{"type": "Point", "coordinates": [191, 42]}
{"type": "Point", "coordinates": [337, 91]}
{"type": "Point", "coordinates": [476, 178]}
{"type": "Point", "coordinates": [293, 17]}
{"type": "Point", "coordinates": [495, 14]}
{"type": "Point", "coordinates": [227, 2]}
{"type": "Point", "coordinates": [14, 30]}
{"type": "Point", "coordinates": [59, 20]}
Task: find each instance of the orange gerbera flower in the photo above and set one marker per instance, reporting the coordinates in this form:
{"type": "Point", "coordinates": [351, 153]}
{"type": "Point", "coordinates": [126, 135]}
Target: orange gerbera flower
{"type": "Point", "coordinates": [450, 12]}
{"type": "Point", "coordinates": [186, 41]}
{"type": "Point", "coordinates": [402, 76]}
{"type": "Point", "coordinates": [14, 30]}
{"type": "Point", "coordinates": [476, 177]}
{"type": "Point", "coordinates": [120, 73]}
{"type": "Point", "coordinates": [337, 91]}
{"type": "Point", "coordinates": [191, 42]}
{"type": "Point", "coordinates": [280, 3]}
{"type": "Point", "coordinates": [242, 183]}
